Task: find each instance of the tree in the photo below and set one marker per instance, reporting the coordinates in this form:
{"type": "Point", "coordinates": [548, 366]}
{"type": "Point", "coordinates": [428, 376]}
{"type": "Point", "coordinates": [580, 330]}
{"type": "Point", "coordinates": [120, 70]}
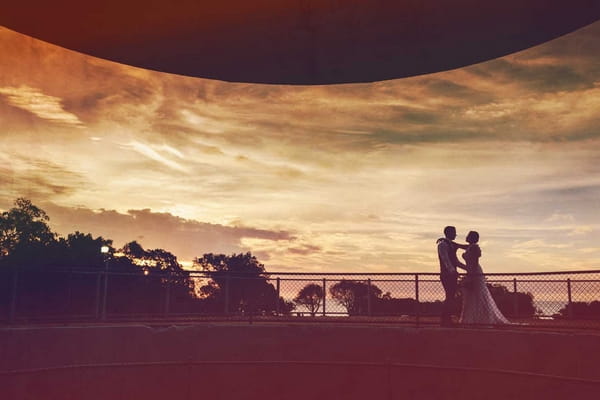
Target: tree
{"type": "Point", "coordinates": [388, 305]}
{"type": "Point", "coordinates": [22, 226]}
{"type": "Point", "coordinates": [354, 296]}
{"type": "Point", "coordinates": [50, 280]}
{"type": "Point", "coordinates": [311, 297]}
{"type": "Point", "coordinates": [158, 259]}
{"type": "Point", "coordinates": [161, 272]}
{"type": "Point", "coordinates": [241, 282]}
{"type": "Point", "coordinates": [581, 310]}
{"type": "Point", "coordinates": [80, 250]}
{"type": "Point", "coordinates": [512, 304]}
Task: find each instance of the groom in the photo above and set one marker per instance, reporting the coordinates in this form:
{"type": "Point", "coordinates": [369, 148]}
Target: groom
{"type": "Point", "coordinates": [448, 275]}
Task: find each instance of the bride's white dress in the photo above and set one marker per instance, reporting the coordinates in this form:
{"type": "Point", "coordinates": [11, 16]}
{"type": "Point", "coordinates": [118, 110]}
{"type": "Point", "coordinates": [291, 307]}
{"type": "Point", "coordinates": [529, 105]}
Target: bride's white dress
{"type": "Point", "coordinates": [479, 306]}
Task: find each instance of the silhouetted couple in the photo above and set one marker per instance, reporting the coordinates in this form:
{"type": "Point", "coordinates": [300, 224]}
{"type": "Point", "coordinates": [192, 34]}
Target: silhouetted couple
{"type": "Point", "coordinates": [478, 306]}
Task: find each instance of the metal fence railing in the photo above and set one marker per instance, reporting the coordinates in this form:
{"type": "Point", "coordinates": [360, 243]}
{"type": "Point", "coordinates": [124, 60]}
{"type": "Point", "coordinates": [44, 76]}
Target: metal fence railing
{"type": "Point", "coordinates": [550, 299]}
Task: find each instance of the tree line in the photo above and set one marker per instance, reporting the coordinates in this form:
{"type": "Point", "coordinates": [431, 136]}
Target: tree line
{"type": "Point", "coordinates": [55, 275]}
{"type": "Point", "coordinates": [580, 310]}
{"type": "Point", "coordinates": [359, 297]}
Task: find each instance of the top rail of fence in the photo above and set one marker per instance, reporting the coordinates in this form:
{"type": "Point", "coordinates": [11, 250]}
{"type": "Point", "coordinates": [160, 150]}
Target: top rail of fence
{"type": "Point", "coordinates": [422, 273]}
{"type": "Point", "coordinates": [192, 272]}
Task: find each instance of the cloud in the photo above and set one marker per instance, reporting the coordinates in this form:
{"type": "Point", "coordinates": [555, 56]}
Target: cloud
{"type": "Point", "coordinates": [560, 217]}
{"type": "Point", "coordinates": [304, 249]}
{"type": "Point", "coordinates": [162, 154]}
{"type": "Point", "coordinates": [571, 190]}
{"type": "Point", "coordinates": [36, 178]}
{"type": "Point", "coordinates": [534, 76]}
{"type": "Point", "coordinates": [581, 230]}
{"type": "Point", "coordinates": [458, 90]}
{"type": "Point", "coordinates": [184, 237]}
{"type": "Point", "coordinates": [552, 117]}
{"type": "Point", "coordinates": [44, 106]}
{"type": "Point", "coordinates": [540, 244]}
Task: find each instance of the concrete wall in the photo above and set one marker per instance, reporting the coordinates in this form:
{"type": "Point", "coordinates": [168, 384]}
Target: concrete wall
{"type": "Point", "coordinates": [241, 361]}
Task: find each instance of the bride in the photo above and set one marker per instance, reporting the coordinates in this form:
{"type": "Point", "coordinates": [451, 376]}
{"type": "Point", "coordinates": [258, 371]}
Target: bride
{"type": "Point", "coordinates": [478, 305]}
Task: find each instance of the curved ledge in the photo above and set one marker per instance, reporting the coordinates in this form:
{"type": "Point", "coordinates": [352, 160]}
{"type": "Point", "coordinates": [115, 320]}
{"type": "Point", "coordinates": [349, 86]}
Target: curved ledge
{"type": "Point", "coordinates": [284, 363]}
{"type": "Point", "coordinates": [294, 362]}
{"type": "Point", "coordinates": [298, 41]}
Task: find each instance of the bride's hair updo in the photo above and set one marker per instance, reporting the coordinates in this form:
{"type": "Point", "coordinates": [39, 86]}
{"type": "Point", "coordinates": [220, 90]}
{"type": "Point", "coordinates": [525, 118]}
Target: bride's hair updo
{"type": "Point", "coordinates": [473, 237]}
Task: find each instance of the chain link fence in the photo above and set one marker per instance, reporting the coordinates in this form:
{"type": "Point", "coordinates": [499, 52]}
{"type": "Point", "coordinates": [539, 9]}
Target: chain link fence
{"type": "Point", "coordinates": [569, 300]}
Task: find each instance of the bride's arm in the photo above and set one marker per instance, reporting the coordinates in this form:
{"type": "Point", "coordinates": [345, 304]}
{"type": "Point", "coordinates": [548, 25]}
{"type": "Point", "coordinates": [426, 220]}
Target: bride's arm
{"type": "Point", "coordinates": [464, 247]}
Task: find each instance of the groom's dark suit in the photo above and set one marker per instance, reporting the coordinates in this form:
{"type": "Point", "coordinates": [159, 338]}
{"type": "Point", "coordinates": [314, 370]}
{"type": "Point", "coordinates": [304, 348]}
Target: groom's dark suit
{"type": "Point", "coordinates": [448, 275]}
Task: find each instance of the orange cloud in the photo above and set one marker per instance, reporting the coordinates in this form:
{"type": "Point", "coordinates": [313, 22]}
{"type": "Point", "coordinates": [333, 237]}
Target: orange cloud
{"type": "Point", "coordinates": [43, 106]}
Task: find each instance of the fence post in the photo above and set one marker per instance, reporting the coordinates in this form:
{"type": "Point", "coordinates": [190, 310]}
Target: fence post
{"type": "Point", "coordinates": [226, 303]}
{"type": "Point", "coordinates": [515, 299]}
{"type": "Point", "coordinates": [168, 296]}
{"type": "Point", "coordinates": [369, 297]}
{"type": "Point", "coordinates": [417, 301]}
{"type": "Point", "coordinates": [104, 296]}
{"type": "Point", "coordinates": [69, 306]}
{"type": "Point", "coordinates": [12, 311]}
{"type": "Point", "coordinates": [98, 301]}
{"type": "Point", "coordinates": [570, 306]}
{"type": "Point", "coordinates": [277, 308]}
{"type": "Point", "coordinates": [324, 295]}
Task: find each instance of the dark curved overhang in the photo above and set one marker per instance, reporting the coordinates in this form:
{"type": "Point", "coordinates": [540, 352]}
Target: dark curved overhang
{"type": "Point", "coordinates": [298, 41]}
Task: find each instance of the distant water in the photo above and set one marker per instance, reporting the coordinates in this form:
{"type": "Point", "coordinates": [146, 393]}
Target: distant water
{"type": "Point", "coordinates": [549, 307]}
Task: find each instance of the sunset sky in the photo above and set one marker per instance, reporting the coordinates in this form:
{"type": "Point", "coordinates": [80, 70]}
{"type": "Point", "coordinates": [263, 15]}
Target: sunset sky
{"type": "Point", "coordinates": [355, 177]}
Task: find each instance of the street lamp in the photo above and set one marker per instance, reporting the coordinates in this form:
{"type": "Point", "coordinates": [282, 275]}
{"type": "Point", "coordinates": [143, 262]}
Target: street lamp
{"type": "Point", "coordinates": [104, 250]}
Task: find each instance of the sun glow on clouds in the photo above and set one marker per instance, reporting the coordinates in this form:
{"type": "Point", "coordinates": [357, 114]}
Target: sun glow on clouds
{"type": "Point", "coordinates": [328, 178]}
{"type": "Point", "coordinates": [159, 154]}
{"type": "Point", "coordinates": [40, 104]}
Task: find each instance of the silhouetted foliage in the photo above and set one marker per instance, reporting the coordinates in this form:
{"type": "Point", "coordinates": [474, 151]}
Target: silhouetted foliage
{"type": "Point", "coordinates": [57, 275]}
{"type": "Point", "coordinates": [158, 259]}
{"type": "Point", "coordinates": [81, 250]}
{"type": "Point", "coordinates": [242, 282]}
{"type": "Point", "coordinates": [428, 308]}
{"type": "Point", "coordinates": [311, 297]}
{"type": "Point", "coordinates": [152, 276]}
{"type": "Point", "coordinates": [354, 295]}
{"type": "Point", "coordinates": [388, 305]}
{"type": "Point", "coordinates": [40, 264]}
{"type": "Point", "coordinates": [22, 227]}
{"type": "Point", "coordinates": [512, 304]}
{"type": "Point", "coordinates": [580, 310]}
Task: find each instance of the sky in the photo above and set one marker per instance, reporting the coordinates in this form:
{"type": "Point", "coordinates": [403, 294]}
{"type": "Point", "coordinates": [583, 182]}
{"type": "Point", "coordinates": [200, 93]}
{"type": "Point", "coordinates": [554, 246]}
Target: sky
{"type": "Point", "coordinates": [353, 177]}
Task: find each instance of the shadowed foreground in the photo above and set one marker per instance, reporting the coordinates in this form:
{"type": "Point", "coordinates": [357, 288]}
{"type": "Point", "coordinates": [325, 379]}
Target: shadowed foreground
{"type": "Point", "coordinates": [240, 361]}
